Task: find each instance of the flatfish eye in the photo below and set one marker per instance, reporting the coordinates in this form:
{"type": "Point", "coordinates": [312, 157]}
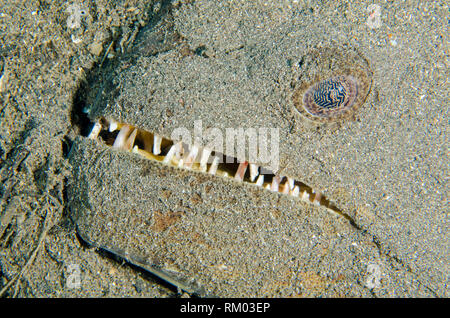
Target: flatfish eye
{"type": "Point", "coordinates": [330, 94]}
{"type": "Point", "coordinates": [331, 97]}
{"type": "Point", "coordinates": [331, 84]}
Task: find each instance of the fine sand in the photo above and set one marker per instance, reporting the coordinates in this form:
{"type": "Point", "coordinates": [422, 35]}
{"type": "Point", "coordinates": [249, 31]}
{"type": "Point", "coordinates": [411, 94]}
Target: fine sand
{"type": "Point", "coordinates": [97, 222]}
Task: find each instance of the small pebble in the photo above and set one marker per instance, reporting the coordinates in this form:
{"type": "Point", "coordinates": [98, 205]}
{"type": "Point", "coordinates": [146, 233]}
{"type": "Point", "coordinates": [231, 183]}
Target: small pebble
{"type": "Point", "coordinates": [95, 48]}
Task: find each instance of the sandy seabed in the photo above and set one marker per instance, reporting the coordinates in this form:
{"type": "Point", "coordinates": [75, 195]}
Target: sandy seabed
{"type": "Point", "coordinates": [387, 169]}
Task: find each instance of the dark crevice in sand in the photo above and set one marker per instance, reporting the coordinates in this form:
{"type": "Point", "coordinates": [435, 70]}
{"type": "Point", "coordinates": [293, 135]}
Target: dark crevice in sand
{"type": "Point", "coordinates": [149, 271]}
{"type": "Point", "coordinates": [393, 259]}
